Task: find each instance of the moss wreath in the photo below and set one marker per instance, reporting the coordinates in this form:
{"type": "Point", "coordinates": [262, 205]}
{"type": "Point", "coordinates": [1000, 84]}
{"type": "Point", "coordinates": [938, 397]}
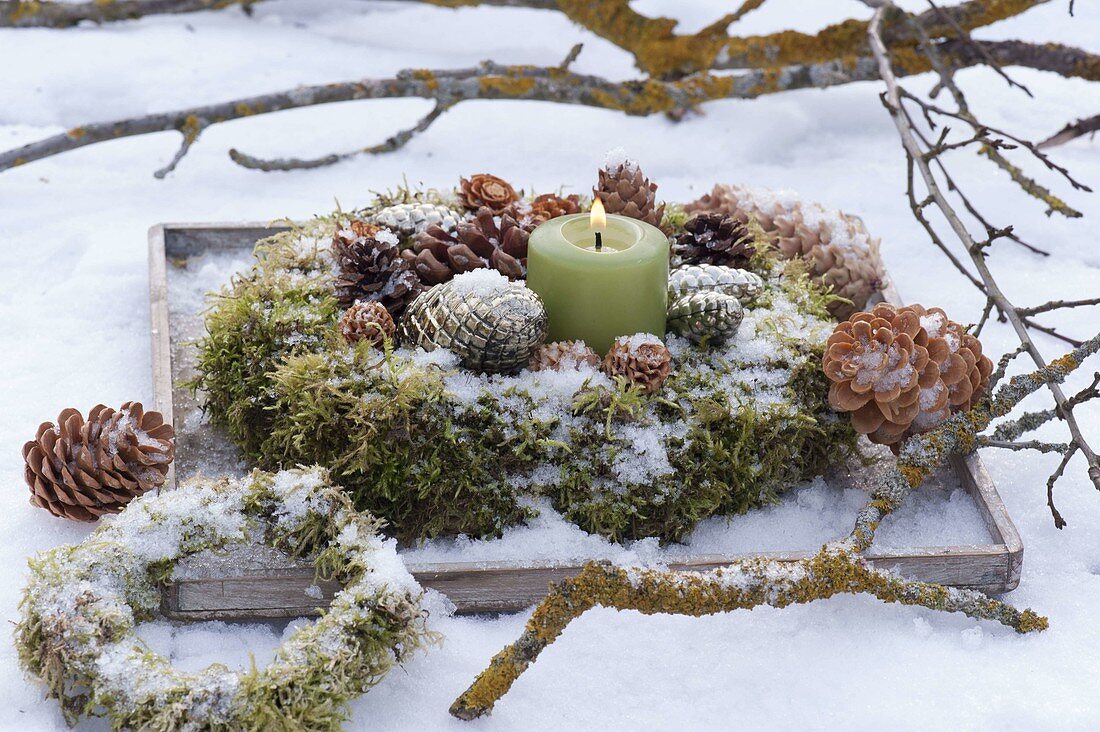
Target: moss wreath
{"type": "Point", "coordinates": [83, 602]}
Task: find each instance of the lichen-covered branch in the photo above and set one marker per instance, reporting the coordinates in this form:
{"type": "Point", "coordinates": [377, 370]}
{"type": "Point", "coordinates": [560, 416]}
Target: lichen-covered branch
{"type": "Point", "coordinates": [46, 14]}
{"type": "Point", "coordinates": [742, 585]}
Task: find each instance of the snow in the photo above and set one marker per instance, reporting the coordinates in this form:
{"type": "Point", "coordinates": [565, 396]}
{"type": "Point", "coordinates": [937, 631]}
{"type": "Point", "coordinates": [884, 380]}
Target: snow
{"type": "Point", "coordinates": [73, 304]}
{"type": "Point", "coordinates": [479, 283]}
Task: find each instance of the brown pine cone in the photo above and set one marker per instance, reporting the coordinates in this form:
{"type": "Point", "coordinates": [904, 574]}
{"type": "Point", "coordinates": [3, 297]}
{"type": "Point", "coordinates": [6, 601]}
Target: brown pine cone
{"type": "Point", "coordinates": [82, 470]}
{"type": "Point", "coordinates": [367, 321]}
{"type": "Point", "coordinates": [901, 371]}
{"type": "Point", "coordinates": [840, 251]}
{"type": "Point", "coordinates": [438, 255]}
{"type": "Point", "coordinates": [625, 190]}
{"type": "Point", "coordinates": [371, 267]}
{"type": "Point", "coordinates": [643, 360]}
{"type": "Point", "coordinates": [486, 190]}
{"type": "Point", "coordinates": [715, 239]}
{"type": "Point", "coordinates": [543, 208]}
{"type": "Point", "coordinates": [563, 355]}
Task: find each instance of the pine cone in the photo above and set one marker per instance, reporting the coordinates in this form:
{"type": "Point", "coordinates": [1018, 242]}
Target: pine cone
{"type": "Point", "coordinates": [563, 355]}
{"type": "Point", "coordinates": [543, 208]}
{"type": "Point", "coordinates": [410, 219]}
{"type": "Point", "coordinates": [840, 251]}
{"type": "Point", "coordinates": [715, 239]}
{"type": "Point", "coordinates": [489, 191]}
{"type": "Point", "coordinates": [900, 371]}
{"type": "Point", "coordinates": [82, 470]}
{"type": "Point", "coordinates": [367, 321]}
{"type": "Point", "coordinates": [643, 360]}
{"type": "Point", "coordinates": [437, 255]}
{"type": "Point", "coordinates": [371, 268]}
{"type": "Point", "coordinates": [625, 190]}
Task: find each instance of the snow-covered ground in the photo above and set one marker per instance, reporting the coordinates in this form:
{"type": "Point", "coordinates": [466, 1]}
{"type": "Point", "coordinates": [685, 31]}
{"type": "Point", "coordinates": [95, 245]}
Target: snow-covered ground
{"type": "Point", "coordinates": [73, 309]}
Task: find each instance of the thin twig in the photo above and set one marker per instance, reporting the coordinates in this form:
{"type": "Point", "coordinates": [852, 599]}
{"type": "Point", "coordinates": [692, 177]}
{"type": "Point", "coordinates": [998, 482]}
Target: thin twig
{"type": "Point", "coordinates": [1057, 305]}
{"type": "Point", "coordinates": [1058, 447]}
{"type": "Point", "coordinates": [1080, 128]}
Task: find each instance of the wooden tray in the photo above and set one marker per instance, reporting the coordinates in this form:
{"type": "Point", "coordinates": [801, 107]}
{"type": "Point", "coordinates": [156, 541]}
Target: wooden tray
{"type": "Point", "coordinates": [237, 589]}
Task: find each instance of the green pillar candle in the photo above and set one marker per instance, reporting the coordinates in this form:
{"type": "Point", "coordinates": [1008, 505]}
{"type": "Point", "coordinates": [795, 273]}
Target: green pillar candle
{"type": "Point", "coordinates": [598, 295]}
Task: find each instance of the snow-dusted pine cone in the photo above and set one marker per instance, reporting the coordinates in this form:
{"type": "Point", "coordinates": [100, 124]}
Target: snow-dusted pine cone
{"type": "Point", "coordinates": [543, 208]}
{"type": "Point", "coordinates": [367, 321]}
{"type": "Point", "coordinates": [81, 469]}
{"type": "Point", "coordinates": [371, 267]}
{"type": "Point", "coordinates": [438, 255]}
{"type": "Point", "coordinates": [563, 355]}
{"type": "Point", "coordinates": [901, 371]}
{"type": "Point", "coordinates": [624, 190]}
{"type": "Point", "coordinates": [840, 251]}
{"type": "Point", "coordinates": [484, 190]}
{"type": "Point", "coordinates": [410, 219]}
{"type": "Point", "coordinates": [714, 239]}
{"type": "Point", "coordinates": [741, 283]}
{"type": "Point", "coordinates": [642, 359]}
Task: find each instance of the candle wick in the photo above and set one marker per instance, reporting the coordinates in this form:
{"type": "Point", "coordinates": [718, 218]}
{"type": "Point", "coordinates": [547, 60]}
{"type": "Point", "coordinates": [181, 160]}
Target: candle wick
{"type": "Point", "coordinates": [599, 241]}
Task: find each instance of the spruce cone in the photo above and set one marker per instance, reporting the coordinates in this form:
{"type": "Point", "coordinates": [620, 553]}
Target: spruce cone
{"type": "Point", "coordinates": [82, 470]}
{"type": "Point", "coordinates": [901, 371]}
{"type": "Point", "coordinates": [367, 321]}
{"type": "Point", "coordinates": [715, 239]}
{"type": "Point", "coordinates": [626, 191]}
{"type": "Point", "coordinates": [563, 355]}
{"type": "Point", "coordinates": [840, 251]}
{"type": "Point", "coordinates": [489, 191]}
{"type": "Point", "coordinates": [543, 208]}
{"type": "Point", "coordinates": [437, 255]}
{"type": "Point", "coordinates": [642, 359]}
{"type": "Point", "coordinates": [371, 268]}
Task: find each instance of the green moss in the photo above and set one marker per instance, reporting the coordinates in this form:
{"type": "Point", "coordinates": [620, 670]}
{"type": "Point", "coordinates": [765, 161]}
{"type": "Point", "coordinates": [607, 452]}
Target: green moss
{"type": "Point", "coordinates": [410, 449]}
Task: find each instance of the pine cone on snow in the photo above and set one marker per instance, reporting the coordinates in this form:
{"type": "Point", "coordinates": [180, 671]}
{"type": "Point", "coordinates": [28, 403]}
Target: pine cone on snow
{"type": "Point", "coordinates": [714, 239]}
{"type": "Point", "coordinates": [81, 469]}
{"type": "Point", "coordinates": [840, 251]}
{"type": "Point", "coordinates": [367, 321]}
{"type": "Point", "coordinates": [901, 371]}
{"type": "Point", "coordinates": [371, 267]}
{"type": "Point", "coordinates": [488, 191]}
{"type": "Point", "coordinates": [625, 190]}
{"type": "Point", "coordinates": [563, 355]}
{"type": "Point", "coordinates": [438, 255]}
{"type": "Point", "coordinates": [644, 361]}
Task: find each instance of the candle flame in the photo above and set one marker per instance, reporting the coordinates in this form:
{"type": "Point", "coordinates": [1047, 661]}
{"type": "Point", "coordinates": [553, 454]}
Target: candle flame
{"type": "Point", "coordinates": [597, 219]}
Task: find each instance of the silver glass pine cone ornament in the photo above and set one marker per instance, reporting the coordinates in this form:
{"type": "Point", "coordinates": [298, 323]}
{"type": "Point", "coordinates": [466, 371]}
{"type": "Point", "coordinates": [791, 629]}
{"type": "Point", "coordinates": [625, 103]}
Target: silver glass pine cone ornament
{"type": "Point", "coordinates": [739, 283]}
{"type": "Point", "coordinates": [493, 329]}
{"type": "Point", "coordinates": [409, 219]}
{"type": "Point", "coordinates": [705, 315]}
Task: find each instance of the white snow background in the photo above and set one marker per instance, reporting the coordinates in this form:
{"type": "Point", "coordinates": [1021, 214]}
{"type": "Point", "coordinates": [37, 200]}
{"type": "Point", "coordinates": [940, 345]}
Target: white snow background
{"type": "Point", "coordinates": [74, 330]}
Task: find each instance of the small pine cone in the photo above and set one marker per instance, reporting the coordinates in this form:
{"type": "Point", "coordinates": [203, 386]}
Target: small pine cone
{"type": "Point", "coordinates": [901, 371]}
{"type": "Point", "coordinates": [367, 321]}
{"type": "Point", "coordinates": [715, 239]}
{"type": "Point", "coordinates": [563, 355]}
{"type": "Point", "coordinates": [81, 469]}
{"type": "Point", "coordinates": [625, 190]}
{"type": "Point", "coordinates": [543, 208]}
{"type": "Point", "coordinates": [437, 255]}
{"type": "Point", "coordinates": [484, 190]}
{"type": "Point", "coordinates": [371, 267]}
{"type": "Point", "coordinates": [841, 253]}
{"type": "Point", "coordinates": [410, 219]}
{"type": "Point", "coordinates": [643, 360]}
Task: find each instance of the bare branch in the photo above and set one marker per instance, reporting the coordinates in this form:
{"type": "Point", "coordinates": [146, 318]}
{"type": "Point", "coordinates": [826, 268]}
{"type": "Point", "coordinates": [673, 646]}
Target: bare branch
{"type": "Point", "coordinates": [1059, 447]}
{"type": "Point", "coordinates": [36, 14]}
{"type": "Point", "coordinates": [1059, 522]}
{"type": "Point", "coordinates": [1057, 305]}
{"type": "Point", "coordinates": [1080, 128]}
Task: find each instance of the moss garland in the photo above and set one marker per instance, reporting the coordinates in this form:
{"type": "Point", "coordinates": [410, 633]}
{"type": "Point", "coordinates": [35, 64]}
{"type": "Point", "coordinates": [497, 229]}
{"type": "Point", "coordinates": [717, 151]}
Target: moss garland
{"type": "Point", "coordinates": [83, 602]}
{"type": "Point", "coordinates": [437, 451]}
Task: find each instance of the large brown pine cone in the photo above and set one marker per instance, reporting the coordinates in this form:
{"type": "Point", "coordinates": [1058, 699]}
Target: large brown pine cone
{"type": "Point", "coordinates": [562, 356]}
{"type": "Point", "coordinates": [486, 190]}
{"type": "Point", "coordinates": [81, 469]}
{"type": "Point", "coordinates": [840, 251]}
{"type": "Point", "coordinates": [438, 255]}
{"type": "Point", "coordinates": [644, 361]}
{"type": "Point", "coordinates": [367, 321]}
{"type": "Point", "coordinates": [625, 190]}
{"type": "Point", "coordinates": [371, 267]}
{"type": "Point", "coordinates": [715, 239]}
{"type": "Point", "coordinates": [543, 208]}
{"type": "Point", "coordinates": [901, 371]}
